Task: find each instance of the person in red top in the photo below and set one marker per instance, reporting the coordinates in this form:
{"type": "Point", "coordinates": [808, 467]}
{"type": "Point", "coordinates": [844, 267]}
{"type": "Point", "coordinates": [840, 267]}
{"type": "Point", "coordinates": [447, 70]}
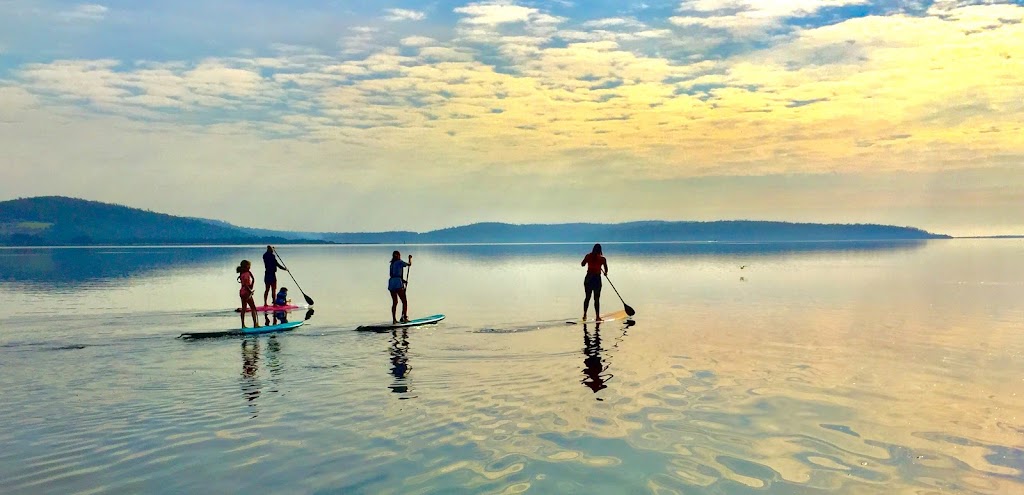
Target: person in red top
{"type": "Point", "coordinates": [245, 293]}
{"type": "Point", "coordinates": [595, 263]}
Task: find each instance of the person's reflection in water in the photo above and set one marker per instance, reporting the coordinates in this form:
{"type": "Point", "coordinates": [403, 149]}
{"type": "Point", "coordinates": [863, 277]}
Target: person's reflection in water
{"type": "Point", "coordinates": [593, 367]}
{"type": "Point", "coordinates": [273, 360]}
{"type": "Point", "coordinates": [279, 318]}
{"type": "Point", "coordinates": [400, 361]}
{"type": "Point", "coordinates": [250, 370]}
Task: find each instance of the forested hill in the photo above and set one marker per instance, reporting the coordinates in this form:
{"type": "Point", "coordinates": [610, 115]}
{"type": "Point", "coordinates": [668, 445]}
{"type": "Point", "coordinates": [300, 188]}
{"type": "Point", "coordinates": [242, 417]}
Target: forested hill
{"type": "Point", "coordinates": [55, 220]}
{"type": "Point", "coordinates": [659, 231]}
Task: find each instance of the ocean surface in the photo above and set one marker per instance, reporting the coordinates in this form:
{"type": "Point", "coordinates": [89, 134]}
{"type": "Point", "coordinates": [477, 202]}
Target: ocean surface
{"type": "Point", "coordinates": [799, 368]}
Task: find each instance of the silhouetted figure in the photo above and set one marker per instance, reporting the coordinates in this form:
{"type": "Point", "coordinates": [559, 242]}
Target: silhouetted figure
{"type": "Point", "coordinates": [270, 266]}
{"type": "Point", "coordinates": [595, 263]}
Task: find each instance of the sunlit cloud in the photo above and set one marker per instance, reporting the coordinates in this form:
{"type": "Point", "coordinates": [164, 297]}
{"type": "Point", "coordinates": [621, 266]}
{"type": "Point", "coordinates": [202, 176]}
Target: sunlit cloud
{"type": "Point", "coordinates": [496, 13]}
{"type": "Point", "coordinates": [748, 16]}
{"type": "Point", "coordinates": [404, 15]}
{"type": "Point", "coordinates": [418, 41]}
{"type": "Point", "coordinates": [85, 12]}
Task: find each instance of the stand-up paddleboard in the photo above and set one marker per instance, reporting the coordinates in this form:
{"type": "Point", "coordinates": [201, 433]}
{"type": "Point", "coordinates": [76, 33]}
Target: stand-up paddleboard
{"type": "Point", "coordinates": [618, 315]}
{"type": "Point", "coordinates": [281, 327]}
{"type": "Point", "coordinates": [267, 309]}
{"type": "Point", "coordinates": [383, 327]}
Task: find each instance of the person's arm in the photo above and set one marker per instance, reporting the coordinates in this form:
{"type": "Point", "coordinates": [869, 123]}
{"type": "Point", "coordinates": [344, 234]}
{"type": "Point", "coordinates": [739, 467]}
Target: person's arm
{"type": "Point", "coordinates": [584, 262]}
{"type": "Point", "coordinates": [605, 263]}
{"type": "Point", "coordinates": [277, 261]}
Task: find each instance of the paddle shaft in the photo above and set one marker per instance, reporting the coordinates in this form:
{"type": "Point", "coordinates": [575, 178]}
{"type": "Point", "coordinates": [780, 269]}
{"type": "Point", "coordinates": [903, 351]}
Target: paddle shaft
{"type": "Point", "coordinates": [629, 310]}
{"type": "Point", "coordinates": [309, 300]}
{"type": "Point", "coordinates": [408, 273]}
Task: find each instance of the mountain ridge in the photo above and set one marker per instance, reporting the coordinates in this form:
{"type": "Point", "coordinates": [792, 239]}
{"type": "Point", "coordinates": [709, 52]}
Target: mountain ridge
{"type": "Point", "coordinates": [59, 220]}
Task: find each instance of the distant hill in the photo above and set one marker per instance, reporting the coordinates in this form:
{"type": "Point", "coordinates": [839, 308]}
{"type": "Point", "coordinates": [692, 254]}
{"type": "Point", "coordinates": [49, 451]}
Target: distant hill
{"type": "Point", "coordinates": [659, 231]}
{"type": "Point", "coordinates": [56, 220]}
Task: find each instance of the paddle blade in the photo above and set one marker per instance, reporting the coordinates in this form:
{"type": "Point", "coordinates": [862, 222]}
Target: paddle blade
{"type": "Point", "coordinates": [309, 300]}
{"type": "Point", "coordinates": [629, 309]}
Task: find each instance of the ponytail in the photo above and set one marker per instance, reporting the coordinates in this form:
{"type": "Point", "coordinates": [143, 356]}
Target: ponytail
{"type": "Point", "coordinates": [242, 268]}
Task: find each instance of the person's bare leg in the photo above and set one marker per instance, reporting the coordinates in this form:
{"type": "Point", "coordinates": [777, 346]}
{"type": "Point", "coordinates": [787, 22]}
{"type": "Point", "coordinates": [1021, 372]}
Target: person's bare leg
{"type": "Point", "coordinates": [405, 305]}
{"type": "Point", "coordinates": [586, 303]}
{"type": "Point", "coordinates": [252, 306]}
{"type": "Point", "coordinates": [394, 305]}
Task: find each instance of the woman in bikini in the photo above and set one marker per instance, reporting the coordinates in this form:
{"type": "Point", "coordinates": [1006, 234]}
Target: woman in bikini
{"type": "Point", "coordinates": [245, 293]}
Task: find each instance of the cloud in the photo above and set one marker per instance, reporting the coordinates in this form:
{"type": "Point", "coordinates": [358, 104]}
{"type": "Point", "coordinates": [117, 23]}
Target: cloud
{"type": "Point", "coordinates": [85, 12]}
{"type": "Point", "coordinates": [798, 106]}
{"type": "Point", "coordinates": [150, 91]}
{"type": "Point", "coordinates": [396, 15]}
{"type": "Point", "coordinates": [517, 91]}
{"type": "Point", "coordinates": [612, 22]}
{"type": "Point", "coordinates": [495, 13]}
{"type": "Point", "coordinates": [362, 40]}
{"type": "Point", "coordinates": [417, 41]}
{"type": "Point", "coordinates": [441, 53]}
{"type": "Point", "coordinates": [749, 16]}
{"type": "Point", "coordinates": [617, 29]}
{"type": "Point", "coordinates": [977, 17]}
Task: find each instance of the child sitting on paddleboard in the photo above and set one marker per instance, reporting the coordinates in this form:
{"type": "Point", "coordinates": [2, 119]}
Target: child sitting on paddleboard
{"type": "Point", "coordinates": [282, 297]}
{"type": "Point", "coordinates": [245, 293]}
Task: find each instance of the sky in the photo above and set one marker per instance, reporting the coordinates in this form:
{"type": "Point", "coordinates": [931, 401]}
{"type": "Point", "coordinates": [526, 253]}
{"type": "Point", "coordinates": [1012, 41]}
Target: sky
{"type": "Point", "coordinates": [398, 115]}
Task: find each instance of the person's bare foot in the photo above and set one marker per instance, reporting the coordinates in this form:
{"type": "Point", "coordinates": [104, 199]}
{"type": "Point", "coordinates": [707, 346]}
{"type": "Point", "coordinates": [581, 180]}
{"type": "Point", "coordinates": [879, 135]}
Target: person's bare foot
{"type": "Point", "coordinates": [599, 319]}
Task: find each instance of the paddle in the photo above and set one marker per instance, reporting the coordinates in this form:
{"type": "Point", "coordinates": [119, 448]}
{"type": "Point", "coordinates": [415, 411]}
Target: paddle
{"type": "Point", "coordinates": [309, 300]}
{"type": "Point", "coordinates": [629, 309]}
{"type": "Point", "coordinates": [408, 272]}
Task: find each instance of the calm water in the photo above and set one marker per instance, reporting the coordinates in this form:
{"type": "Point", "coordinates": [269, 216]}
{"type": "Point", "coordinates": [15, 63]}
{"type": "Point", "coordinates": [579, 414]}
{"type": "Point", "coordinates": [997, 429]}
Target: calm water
{"type": "Point", "coordinates": [819, 368]}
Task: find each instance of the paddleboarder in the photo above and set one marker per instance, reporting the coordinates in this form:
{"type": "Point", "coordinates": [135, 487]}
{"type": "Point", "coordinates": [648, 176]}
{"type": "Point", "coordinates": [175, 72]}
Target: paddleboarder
{"type": "Point", "coordinates": [245, 293]}
{"type": "Point", "coordinates": [396, 285]}
{"type": "Point", "coordinates": [595, 263]}
{"type": "Point", "coordinates": [271, 265]}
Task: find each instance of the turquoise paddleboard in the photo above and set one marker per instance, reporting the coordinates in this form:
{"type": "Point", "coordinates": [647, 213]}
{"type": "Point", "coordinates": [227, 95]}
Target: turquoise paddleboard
{"type": "Point", "coordinates": [382, 327]}
{"type": "Point", "coordinates": [281, 327]}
